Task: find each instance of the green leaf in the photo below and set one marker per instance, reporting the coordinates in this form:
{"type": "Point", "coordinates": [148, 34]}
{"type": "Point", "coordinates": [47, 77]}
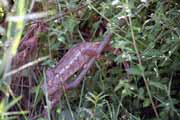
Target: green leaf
{"type": "Point", "coordinates": [136, 70]}
{"type": "Point", "coordinates": [120, 43]}
{"type": "Point", "coordinates": [157, 84]}
{"type": "Point", "coordinates": [121, 84]}
{"type": "Point", "coordinates": [146, 103]}
{"type": "Point", "coordinates": [70, 24]}
{"type": "Point", "coordinates": [55, 46]}
{"type": "Point", "coordinates": [61, 39]}
{"type": "Point", "coordinates": [153, 53]}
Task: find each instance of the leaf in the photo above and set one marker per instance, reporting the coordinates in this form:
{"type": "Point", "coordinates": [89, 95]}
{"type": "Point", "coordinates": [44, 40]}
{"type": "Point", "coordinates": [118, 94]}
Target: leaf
{"type": "Point", "coordinates": [126, 92]}
{"type": "Point", "coordinates": [61, 39]}
{"type": "Point", "coordinates": [136, 70]}
{"type": "Point", "coordinates": [146, 103]}
{"type": "Point", "coordinates": [13, 102]}
{"type": "Point", "coordinates": [153, 53]}
{"type": "Point", "coordinates": [70, 24]}
{"type": "Point", "coordinates": [49, 62]}
{"type": "Point", "coordinates": [121, 84]}
{"type": "Point", "coordinates": [55, 46]}
{"type": "Point", "coordinates": [120, 43]}
{"type": "Point", "coordinates": [141, 93]}
{"type": "Point", "coordinates": [157, 84]}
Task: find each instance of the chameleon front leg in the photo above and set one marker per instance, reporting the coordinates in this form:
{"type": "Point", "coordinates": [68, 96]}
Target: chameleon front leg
{"type": "Point", "coordinates": [78, 80]}
{"type": "Point", "coordinates": [89, 52]}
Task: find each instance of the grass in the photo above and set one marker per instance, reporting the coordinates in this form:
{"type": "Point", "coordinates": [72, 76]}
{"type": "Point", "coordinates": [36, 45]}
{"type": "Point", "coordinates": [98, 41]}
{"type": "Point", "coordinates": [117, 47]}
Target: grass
{"type": "Point", "coordinates": [149, 41]}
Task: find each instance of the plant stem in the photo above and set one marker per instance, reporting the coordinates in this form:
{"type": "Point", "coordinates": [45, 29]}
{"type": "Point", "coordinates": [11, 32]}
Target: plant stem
{"type": "Point", "coordinates": [143, 75]}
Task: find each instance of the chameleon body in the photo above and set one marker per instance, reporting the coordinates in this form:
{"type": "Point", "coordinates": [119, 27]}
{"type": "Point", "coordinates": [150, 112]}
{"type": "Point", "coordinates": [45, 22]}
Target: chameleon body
{"type": "Point", "coordinates": [74, 60]}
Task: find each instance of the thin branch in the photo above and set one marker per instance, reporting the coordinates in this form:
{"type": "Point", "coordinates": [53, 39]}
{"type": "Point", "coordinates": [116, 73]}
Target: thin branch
{"type": "Point", "coordinates": [25, 66]}
{"type": "Point", "coordinates": [143, 75]}
{"type": "Point", "coordinates": [60, 15]}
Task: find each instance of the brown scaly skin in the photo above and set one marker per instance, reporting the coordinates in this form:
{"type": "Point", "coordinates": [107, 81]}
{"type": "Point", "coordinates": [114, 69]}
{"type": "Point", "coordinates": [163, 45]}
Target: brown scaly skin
{"type": "Point", "coordinates": [74, 60]}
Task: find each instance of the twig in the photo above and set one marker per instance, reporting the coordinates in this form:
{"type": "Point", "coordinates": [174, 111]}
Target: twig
{"type": "Point", "coordinates": [69, 12]}
{"type": "Point", "coordinates": [143, 75]}
{"type": "Point", "coordinates": [75, 83]}
{"type": "Point", "coordinates": [25, 66]}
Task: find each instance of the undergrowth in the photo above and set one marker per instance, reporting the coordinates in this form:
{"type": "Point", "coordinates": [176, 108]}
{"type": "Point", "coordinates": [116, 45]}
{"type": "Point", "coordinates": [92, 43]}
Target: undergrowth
{"type": "Point", "coordinates": [146, 89]}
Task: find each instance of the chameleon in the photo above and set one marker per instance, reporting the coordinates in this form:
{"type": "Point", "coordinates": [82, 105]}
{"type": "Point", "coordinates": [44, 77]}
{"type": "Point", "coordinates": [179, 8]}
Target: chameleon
{"type": "Point", "coordinates": [74, 60]}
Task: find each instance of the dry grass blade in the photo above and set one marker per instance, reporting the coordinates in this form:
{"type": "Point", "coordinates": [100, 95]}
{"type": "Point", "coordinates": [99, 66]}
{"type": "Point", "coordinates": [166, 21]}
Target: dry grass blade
{"type": "Point", "coordinates": [25, 66]}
